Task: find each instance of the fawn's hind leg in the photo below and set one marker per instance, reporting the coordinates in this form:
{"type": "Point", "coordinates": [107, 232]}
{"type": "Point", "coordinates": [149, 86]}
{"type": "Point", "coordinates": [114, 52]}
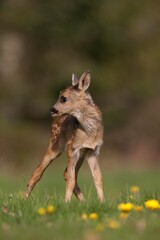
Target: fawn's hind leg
{"type": "Point", "coordinates": [92, 159]}
{"type": "Point", "coordinates": [73, 157]}
{"type": "Point", "coordinates": [37, 174]}
{"type": "Point", "coordinates": [77, 191]}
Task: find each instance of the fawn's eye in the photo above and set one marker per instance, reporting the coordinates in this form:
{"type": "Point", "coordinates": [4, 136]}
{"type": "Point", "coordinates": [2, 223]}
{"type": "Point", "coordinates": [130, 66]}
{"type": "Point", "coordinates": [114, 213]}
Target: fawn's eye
{"type": "Point", "coordinates": [63, 99]}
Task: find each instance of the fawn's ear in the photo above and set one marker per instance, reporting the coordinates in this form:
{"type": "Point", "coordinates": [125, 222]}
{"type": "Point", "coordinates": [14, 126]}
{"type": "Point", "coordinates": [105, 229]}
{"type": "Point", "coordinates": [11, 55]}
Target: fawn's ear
{"type": "Point", "coordinates": [84, 80]}
{"type": "Point", "coordinates": [75, 80]}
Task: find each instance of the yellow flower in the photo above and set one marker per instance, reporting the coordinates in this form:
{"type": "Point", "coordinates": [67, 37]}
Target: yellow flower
{"type": "Point", "coordinates": [134, 189]}
{"type": "Point", "coordinates": [50, 209]}
{"type": "Point", "coordinates": [84, 216]}
{"type": "Point", "coordinates": [93, 216]}
{"type": "Point", "coordinates": [138, 208]}
{"type": "Point", "coordinates": [123, 215]}
{"type": "Point", "coordinates": [131, 197]}
{"type": "Point", "coordinates": [113, 224]}
{"type": "Point", "coordinates": [41, 211]}
{"type": "Point", "coordinates": [125, 207]}
{"type": "Point", "coordinates": [152, 204]}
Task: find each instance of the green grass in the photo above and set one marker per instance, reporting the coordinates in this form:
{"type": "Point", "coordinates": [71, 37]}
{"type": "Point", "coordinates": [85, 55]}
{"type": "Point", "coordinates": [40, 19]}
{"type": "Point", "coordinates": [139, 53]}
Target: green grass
{"type": "Point", "coordinates": [19, 218]}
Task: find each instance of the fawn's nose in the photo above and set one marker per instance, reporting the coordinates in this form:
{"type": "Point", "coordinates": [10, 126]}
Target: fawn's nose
{"type": "Point", "coordinates": [53, 110]}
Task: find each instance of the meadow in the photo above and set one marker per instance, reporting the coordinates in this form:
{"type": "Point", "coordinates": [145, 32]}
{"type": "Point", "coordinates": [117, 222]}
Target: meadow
{"type": "Point", "coordinates": [45, 215]}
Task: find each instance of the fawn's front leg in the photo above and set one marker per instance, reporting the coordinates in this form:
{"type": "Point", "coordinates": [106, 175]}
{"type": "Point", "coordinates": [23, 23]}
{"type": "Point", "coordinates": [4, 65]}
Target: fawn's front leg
{"type": "Point", "coordinates": [77, 191]}
{"type": "Point", "coordinates": [92, 159]}
{"type": "Point", "coordinates": [73, 155]}
{"type": "Point", "coordinates": [37, 174]}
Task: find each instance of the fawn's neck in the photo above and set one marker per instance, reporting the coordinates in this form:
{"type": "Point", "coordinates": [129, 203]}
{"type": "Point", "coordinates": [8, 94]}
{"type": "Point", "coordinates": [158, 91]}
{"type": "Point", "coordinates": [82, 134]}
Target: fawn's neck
{"type": "Point", "coordinates": [89, 117]}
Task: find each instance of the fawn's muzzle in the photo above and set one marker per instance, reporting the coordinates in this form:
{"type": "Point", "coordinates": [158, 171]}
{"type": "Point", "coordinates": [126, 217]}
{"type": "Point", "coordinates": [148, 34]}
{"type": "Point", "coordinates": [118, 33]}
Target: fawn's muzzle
{"type": "Point", "coordinates": [53, 110]}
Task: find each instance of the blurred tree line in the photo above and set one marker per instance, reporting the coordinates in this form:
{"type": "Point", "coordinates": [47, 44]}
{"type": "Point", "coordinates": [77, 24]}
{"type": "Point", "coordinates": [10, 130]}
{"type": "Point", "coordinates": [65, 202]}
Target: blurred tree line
{"type": "Point", "coordinates": [43, 42]}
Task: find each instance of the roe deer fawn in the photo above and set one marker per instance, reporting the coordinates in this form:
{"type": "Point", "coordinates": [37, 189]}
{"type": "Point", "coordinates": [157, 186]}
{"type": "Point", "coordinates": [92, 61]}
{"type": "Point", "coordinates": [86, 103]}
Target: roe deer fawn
{"type": "Point", "coordinates": [78, 129]}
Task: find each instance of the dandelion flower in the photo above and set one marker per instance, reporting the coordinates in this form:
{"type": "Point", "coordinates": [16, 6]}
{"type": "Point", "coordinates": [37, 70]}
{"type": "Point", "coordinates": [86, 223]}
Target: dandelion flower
{"type": "Point", "coordinates": [138, 208]}
{"type": "Point", "coordinates": [131, 197]}
{"type": "Point", "coordinates": [152, 204]}
{"type": "Point", "coordinates": [134, 189]}
{"type": "Point", "coordinates": [41, 211]}
{"type": "Point", "coordinates": [50, 209]}
{"type": "Point", "coordinates": [123, 215]}
{"type": "Point", "coordinates": [125, 207]}
{"type": "Point", "coordinates": [84, 216]}
{"type": "Point", "coordinates": [114, 224]}
{"type": "Point", "coordinates": [93, 216]}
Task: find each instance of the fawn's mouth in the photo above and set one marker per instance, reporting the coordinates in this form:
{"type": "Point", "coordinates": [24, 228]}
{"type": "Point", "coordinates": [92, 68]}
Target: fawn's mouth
{"type": "Point", "coordinates": [54, 115]}
{"type": "Point", "coordinates": [54, 112]}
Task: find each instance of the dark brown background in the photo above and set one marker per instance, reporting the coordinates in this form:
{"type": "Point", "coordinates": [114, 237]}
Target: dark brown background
{"type": "Point", "coordinates": [43, 42]}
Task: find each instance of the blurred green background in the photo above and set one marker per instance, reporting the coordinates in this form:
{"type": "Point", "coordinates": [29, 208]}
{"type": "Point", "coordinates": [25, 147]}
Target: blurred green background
{"type": "Point", "coordinates": [43, 42]}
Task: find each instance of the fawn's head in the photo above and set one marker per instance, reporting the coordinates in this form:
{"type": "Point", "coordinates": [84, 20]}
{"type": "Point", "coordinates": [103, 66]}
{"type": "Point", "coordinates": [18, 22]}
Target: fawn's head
{"type": "Point", "coordinates": [74, 96]}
